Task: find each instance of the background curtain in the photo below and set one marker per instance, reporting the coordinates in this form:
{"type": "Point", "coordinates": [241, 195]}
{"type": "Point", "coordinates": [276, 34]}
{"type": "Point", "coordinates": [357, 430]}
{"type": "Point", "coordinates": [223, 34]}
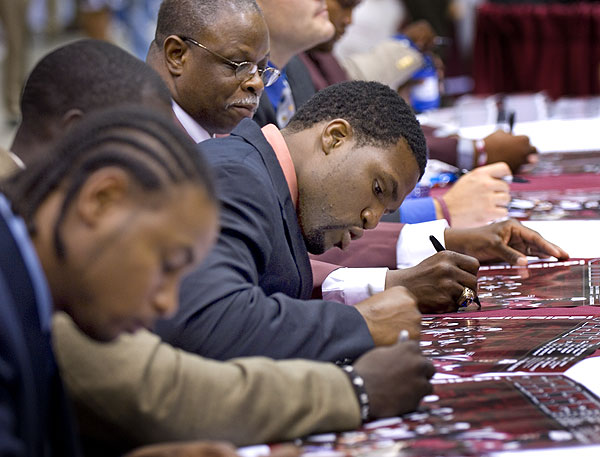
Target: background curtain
{"type": "Point", "coordinates": [538, 47]}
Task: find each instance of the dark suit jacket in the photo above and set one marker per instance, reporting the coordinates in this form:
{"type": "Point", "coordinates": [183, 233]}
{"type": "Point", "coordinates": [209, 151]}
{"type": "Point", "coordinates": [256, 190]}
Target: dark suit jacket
{"type": "Point", "coordinates": [301, 86]}
{"type": "Point", "coordinates": [34, 416]}
{"type": "Point", "coordinates": [250, 297]}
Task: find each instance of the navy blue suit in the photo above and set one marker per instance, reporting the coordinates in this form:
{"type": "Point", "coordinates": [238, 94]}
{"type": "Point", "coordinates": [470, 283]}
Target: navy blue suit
{"type": "Point", "coordinates": [251, 296]}
{"type": "Point", "coordinates": [34, 416]}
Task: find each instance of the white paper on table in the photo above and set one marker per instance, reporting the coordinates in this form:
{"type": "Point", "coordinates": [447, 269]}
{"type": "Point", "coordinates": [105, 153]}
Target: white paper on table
{"type": "Point", "coordinates": [554, 135]}
{"type": "Point", "coordinates": [585, 373]}
{"type": "Point", "coordinates": [580, 238]}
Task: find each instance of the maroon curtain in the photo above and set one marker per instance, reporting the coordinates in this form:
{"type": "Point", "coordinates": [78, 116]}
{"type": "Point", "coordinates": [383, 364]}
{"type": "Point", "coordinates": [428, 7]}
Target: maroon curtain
{"type": "Point", "coordinates": [530, 48]}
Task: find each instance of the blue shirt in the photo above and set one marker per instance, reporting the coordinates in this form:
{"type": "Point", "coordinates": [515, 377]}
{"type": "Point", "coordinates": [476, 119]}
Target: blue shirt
{"type": "Point", "coordinates": [415, 210]}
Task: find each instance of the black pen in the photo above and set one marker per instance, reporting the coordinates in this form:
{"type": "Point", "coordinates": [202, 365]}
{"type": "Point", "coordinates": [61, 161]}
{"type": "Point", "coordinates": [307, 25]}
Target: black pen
{"type": "Point", "coordinates": [439, 248]}
{"type": "Point", "coordinates": [511, 121]}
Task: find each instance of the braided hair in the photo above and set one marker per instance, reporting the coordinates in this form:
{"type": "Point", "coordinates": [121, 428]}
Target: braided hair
{"type": "Point", "coordinates": [147, 145]}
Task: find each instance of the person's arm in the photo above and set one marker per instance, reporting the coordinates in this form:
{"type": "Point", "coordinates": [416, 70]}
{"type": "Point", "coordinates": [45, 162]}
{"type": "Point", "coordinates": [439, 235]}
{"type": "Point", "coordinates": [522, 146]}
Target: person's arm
{"type": "Point", "coordinates": [417, 210]}
{"type": "Point", "coordinates": [138, 390]}
{"type": "Point", "coordinates": [500, 146]}
{"type": "Point", "coordinates": [446, 149]}
{"type": "Point", "coordinates": [151, 392]}
{"type": "Point", "coordinates": [422, 279]}
{"type": "Point", "coordinates": [350, 276]}
{"type": "Point", "coordinates": [231, 305]}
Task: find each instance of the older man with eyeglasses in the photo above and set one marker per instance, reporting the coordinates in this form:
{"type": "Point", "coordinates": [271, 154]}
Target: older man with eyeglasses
{"type": "Point", "coordinates": [213, 57]}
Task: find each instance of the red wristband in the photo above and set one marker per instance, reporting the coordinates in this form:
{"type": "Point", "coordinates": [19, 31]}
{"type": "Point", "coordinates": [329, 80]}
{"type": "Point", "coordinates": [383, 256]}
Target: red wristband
{"type": "Point", "coordinates": [444, 207]}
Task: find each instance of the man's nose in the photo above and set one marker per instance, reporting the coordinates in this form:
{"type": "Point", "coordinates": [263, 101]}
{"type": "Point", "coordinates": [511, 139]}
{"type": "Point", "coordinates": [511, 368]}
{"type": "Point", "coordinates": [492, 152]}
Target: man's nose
{"type": "Point", "coordinates": [370, 218]}
{"type": "Point", "coordinates": [254, 84]}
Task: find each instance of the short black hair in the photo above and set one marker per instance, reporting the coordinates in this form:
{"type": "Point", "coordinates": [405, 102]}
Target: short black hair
{"type": "Point", "coordinates": [87, 75]}
{"type": "Point", "coordinates": [378, 115]}
{"type": "Point", "coordinates": [188, 18]}
{"type": "Point", "coordinates": [147, 145]}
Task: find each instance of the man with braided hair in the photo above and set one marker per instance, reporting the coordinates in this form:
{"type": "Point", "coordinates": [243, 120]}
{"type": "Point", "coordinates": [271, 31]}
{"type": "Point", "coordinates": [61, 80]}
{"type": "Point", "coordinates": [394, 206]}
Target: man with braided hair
{"type": "Point", "coordinates": [99, 228]}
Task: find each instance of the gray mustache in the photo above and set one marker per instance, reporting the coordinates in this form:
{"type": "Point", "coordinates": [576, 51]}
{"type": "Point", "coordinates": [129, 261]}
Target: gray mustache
{"type": "Point", "coordinates": [250, 100]}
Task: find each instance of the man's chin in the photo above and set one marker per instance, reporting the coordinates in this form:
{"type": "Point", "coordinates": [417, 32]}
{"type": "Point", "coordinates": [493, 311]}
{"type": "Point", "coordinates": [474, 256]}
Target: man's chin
{"type": "Point", "coordinates": [316, 247]}
{"type": "Point", "coordinates": [99, 333]}
{"type": "Point", "coordinates": [97, 327]}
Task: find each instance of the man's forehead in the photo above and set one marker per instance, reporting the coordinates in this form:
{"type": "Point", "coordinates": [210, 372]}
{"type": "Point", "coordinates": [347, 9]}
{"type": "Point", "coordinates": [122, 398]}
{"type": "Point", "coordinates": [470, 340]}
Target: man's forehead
{"type": "Point", "coordinates": [233, 23]}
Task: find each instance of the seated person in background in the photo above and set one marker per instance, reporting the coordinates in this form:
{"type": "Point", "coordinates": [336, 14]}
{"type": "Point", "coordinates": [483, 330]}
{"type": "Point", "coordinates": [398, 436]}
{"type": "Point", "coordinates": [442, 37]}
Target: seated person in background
{"type": "Point", "coordinates": [58, 92]}
{"type": "Point", "coordinates": [391, 62]}
{"type": "Point", "coordinates": [197, 50]}
{"type": "Point", "coordinates": [105, 236]}
{"type": "Point", "coordinates": [294, 27]}
{"type": "Point", "coordinates": [492, 195]}
{"type": "Point", "coordinates": [475, 199]}
{"type": "Point", "coordinates": [350, 154]}
{"type": "Point", "coordinates": [139, 390]}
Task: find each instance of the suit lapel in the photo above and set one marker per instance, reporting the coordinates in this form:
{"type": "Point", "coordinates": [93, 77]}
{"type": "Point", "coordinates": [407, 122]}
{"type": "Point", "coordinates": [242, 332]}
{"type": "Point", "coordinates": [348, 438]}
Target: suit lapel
{"type": "Point", "coordinates": [253, 135]}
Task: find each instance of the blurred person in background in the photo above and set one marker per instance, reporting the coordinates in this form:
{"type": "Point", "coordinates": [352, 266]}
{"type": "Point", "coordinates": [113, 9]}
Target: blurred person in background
{"type": "Point", "coordinates": [13, 18]}
{"type": "Point", "coordinates": [136, 18]}
{"type": "Point", "coordinates": [95, 17]}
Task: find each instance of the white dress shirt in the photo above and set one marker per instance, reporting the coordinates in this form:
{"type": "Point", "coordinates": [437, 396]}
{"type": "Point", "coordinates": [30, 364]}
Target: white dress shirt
{"type": "Point", "coordinates": [195, 130]}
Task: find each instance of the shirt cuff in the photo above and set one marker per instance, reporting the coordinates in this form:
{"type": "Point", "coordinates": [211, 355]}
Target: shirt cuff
{"type": "Point", "coordinates": [413, 244]}
{"type": "Point", "coordinates": [466, 154]}
{"type": "Point", "coordinates": [353, 285]}
{"type": "Point", "coordinates": [416, 210]}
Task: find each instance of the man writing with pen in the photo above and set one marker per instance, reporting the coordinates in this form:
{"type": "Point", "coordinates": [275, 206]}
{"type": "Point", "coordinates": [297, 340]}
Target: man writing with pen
{"type": "Point", "coordinates": [351, 153]}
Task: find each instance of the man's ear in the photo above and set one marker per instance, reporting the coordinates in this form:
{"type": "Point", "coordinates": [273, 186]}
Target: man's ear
{"type": "Point", "coordinates": [102, 192]}
{"type": "Point", "coordinates": [70, 118]}
{"type": "Point", "coordinates": [335, 134]}
{"type": "Point", "coordinates": [175, 52]}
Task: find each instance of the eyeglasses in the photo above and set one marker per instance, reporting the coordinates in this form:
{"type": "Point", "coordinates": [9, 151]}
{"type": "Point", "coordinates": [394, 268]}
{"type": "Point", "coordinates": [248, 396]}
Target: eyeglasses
{"type": "Point", "coordinates": [244, 70]}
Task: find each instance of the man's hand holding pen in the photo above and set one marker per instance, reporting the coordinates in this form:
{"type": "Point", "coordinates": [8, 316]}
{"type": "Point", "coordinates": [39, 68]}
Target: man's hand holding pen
{"type": "Point", "coordinates": [438, 281]}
